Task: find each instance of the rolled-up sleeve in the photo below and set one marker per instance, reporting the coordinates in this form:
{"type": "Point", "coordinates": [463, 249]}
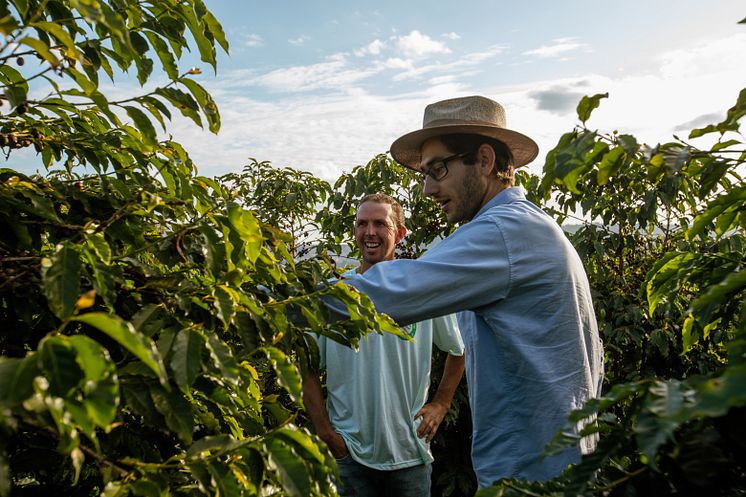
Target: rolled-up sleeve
{"type": "Point", "coordinates": [468, 269]}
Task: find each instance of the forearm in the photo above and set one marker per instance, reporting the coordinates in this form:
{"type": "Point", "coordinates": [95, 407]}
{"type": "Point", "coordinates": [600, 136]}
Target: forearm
{"type": "Point", "coordinates": [432, 413]}
{"type": "Point", "coordinates": [453, 371]}
{"type": "Point", "coordinates": [314, 401]}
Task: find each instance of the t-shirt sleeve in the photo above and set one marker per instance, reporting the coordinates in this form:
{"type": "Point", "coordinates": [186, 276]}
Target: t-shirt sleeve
{"type": "Point", "coordinates": [447, 336]}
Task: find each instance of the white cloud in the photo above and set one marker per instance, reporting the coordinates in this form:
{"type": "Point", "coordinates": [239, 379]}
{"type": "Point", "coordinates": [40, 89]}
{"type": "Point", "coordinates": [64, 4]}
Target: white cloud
{"type": "Point", "coordinates": [333, 73]}
{"type": "Point", "coordinates": [253, 40]}
{"type": "Point", "coordinates": [470, 60]}
{"type": "Point", "coordinates": [418, 45]}
{"type": "Point", "coordinates": [373, 48]}
{"type": "Point", "coordinates": [332, 133]}
{"type": "Point", "coordinates": [395, 63]}
{"type": "Point", "coordinates": [451, 36]}
{"type": "Point", "coordinates": [558, 47]}
{"type": "Point", "coordinates": [299, 41]}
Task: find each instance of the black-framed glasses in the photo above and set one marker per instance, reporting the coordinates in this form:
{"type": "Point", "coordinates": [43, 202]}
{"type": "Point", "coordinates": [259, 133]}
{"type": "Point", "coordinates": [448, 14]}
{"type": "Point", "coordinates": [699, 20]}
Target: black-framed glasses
{"type": "Point", "coordinates": [438, 169]}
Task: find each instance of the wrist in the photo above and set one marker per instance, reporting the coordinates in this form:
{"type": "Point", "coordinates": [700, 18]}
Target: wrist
{"type": "Point", "coordinates": [328, 434]}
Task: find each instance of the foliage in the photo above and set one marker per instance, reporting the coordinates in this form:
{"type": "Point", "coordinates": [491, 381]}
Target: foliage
{"type": "Point", "coordinates": [283, 197]}
{"type": "Point", "coordinates": [146, 348]}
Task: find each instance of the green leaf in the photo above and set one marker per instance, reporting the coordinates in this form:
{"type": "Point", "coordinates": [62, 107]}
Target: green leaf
{"type": "Point", "coordinates": [732, 200]}
{"type": "Point", "coordinates": [663, 279]}
{"type": "Point", "coordinates": [226, 300]}
{"type": "Point", "coordinates": [663, 411]}
{"type": "Point", "coordinates": [303, 443]}
{"type": "Point", "coordinates": [588, 104]}
{"type": "Point", "coordinates": [145, 488]}
{"type": "Point", "coordinates": [101, 389]}
{"type": "Point", "coordinates": [717, 395]}
{"type": "Point", "coordinates": [176, 411]}
{"type": "Point", "coordinates": [205, 102]}
{"type": "Point", "coordinates": [186, 361]}
{"type": "Point", "coordinates": [17, 378]}
{"type": "Point", "coordinates": [91, 357]}
{"type": "Point", "coordinates": [182, 101]}
{"type": "Point", "coordinates": [224, 479]}
{"type": "Point", "coordinates": [720, 293]}
{"type": "Point", "coordinates": [97, 242]}
{"type": "Point", "coordinates": [610, 164]}
{"type": "Point", "coordinates": [58, 360]}
{"type": "Point", "coordinates": [287, 373]}
{"type": "Point", "coordinates": [689, 334]}
{"type": "Point", "coordinates": [293, 474]}
{"type": "Point", "coordinates": [88, 86]}
{"type": "Point", "coordinates": [218, 443]}
{"type": "Point", "coordinates": [63, 36]}
{"type": "Point", "coordinates": [204, 44]}
{"type": "Point", "coordinates": [61, 278]}
{"type": "Point", "coordinates": [216, 29]}
{"type": "Point", "coordinates": [42, 49]}
{"type": "Point", "coordinates": [223, 358]}
{"type": "Point", "coordinates": [164, 54]}
{"type": "Point", "coordinates": [10, 76]}
{"type": "Point", "coordinates": [142, 123]}
{"type": "Point", "coordinates": [248, 228]}
{"type": "Point", "coordinates": [125, 334]}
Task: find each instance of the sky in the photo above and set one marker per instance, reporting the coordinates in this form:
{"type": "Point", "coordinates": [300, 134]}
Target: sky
{"type": "Point", "coordinates": [324, 86]}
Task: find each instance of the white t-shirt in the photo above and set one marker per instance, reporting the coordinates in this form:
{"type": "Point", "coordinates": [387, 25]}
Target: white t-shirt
{"type": "Point", "coordinates": [373, 393]}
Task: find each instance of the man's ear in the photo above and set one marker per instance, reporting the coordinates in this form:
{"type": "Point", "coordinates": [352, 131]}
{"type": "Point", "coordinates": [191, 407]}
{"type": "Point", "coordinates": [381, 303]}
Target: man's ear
{"type": "Point", "coordinates": [486, 159]}
{"type": "Point", "coordinates": [400, 232]}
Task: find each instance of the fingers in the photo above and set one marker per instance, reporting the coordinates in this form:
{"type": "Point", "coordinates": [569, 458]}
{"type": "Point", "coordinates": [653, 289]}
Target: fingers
{"type": "Point", "coordinates": [338, 447]}
{"type": "Point", "coordinates": [428, 428]}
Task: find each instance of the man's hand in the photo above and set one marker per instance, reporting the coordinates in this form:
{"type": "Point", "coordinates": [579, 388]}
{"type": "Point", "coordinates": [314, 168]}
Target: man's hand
{"type": "Point", "coordinates": [432, 415]}
{"type": "Point", "coordinates": [337, 445]}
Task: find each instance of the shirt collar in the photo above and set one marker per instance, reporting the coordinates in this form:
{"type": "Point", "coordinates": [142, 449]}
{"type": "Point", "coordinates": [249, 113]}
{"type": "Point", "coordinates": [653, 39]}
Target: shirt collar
{"type": "Point", "coordinates": [507, 196]}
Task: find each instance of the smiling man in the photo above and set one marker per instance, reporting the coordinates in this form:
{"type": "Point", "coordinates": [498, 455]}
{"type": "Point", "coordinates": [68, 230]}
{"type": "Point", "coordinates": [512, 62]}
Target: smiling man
{"type": "Point", "coordinates": [375, 420]}
{"type": "Point", "coordinates": [533, 351]}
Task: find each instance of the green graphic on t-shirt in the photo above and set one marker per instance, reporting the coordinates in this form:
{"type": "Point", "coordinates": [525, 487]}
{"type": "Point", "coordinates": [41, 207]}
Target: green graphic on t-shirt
{"type": "Point", "coordinates": [412, 329]}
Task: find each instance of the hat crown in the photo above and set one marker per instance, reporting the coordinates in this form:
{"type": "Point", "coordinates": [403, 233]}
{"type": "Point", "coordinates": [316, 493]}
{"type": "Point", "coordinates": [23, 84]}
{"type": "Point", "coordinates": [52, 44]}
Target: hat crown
{"type": "Point", "coordinates": [464, 110]}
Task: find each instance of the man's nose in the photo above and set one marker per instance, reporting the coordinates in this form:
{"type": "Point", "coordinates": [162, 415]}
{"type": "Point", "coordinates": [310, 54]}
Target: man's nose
{"type": "Point", "coordinates": [370, 229]}
{"type": "Point", "coordinates": [430, 186]}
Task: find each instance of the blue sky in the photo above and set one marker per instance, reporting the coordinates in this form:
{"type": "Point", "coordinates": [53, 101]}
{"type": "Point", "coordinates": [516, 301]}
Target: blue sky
{"type": "Point", "coordinates": [323, 86]}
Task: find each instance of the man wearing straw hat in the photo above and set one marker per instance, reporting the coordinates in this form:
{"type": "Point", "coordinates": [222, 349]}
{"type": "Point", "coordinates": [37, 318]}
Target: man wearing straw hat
{"type": "Point", "coordinates": [533, 352]}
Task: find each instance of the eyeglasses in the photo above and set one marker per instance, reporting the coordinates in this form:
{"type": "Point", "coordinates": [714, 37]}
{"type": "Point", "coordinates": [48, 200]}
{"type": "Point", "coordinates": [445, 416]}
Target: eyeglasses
{"type": "Point", "coordinates": [438, 169]}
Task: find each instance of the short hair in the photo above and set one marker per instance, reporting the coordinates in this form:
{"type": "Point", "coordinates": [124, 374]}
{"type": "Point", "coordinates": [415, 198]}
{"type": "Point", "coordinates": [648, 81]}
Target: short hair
{"type": "Point", "coordinates": [397, 213]}
{"type": "Point", "coordinates": [464, 143]}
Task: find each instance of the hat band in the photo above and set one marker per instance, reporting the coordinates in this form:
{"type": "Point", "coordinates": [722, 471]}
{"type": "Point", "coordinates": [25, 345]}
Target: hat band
{"type": "Point", "coordinates": [455, 122]}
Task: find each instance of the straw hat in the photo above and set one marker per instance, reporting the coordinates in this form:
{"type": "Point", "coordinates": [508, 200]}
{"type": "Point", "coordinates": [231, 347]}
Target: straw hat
{"type": "Point", "coordinates": [466, 115]}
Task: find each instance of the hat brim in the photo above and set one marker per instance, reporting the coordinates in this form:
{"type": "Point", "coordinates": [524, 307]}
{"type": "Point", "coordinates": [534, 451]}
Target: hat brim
{"type": "Point", "coordinates": [406, 149]}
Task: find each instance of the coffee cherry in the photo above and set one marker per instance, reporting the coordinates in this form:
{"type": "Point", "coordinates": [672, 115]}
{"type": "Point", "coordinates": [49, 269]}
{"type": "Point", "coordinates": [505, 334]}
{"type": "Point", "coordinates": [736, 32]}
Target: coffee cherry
{"type": "Point", "coordinates": [20, 61]}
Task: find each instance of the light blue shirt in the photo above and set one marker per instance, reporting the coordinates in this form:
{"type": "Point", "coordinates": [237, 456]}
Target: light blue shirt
{"type": "Point", "coordinates": [373, 393]}
{"type": "Point", "coordinates": [533, 351]}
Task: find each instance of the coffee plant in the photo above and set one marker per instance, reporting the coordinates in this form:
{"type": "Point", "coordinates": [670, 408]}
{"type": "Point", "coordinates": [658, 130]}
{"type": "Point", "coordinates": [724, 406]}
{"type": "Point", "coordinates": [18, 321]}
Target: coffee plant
{"type": "Point", "coordinates": [145, 345]}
